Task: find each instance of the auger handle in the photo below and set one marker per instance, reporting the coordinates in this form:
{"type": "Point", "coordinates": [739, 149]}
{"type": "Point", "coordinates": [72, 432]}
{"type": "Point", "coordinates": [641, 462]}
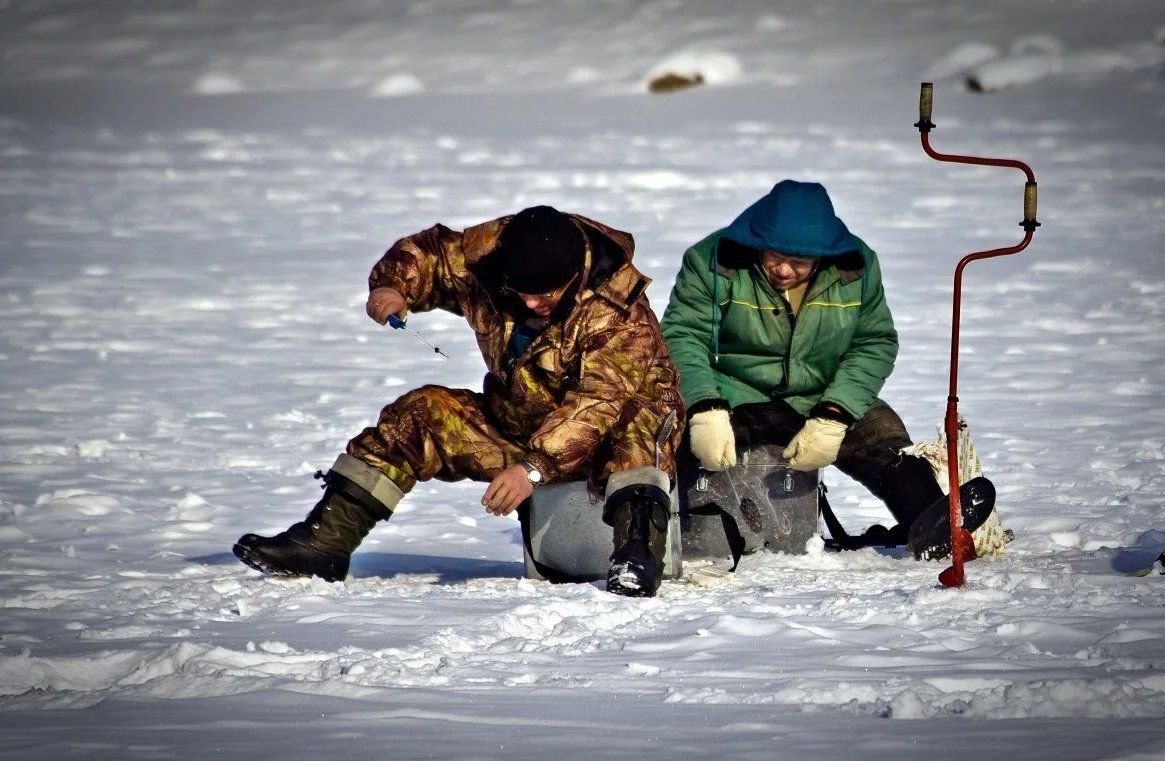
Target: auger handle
{"type": "Point", "coordinates": [1029, 207]}
{"type": "Point", "coordinates": [925, 106]}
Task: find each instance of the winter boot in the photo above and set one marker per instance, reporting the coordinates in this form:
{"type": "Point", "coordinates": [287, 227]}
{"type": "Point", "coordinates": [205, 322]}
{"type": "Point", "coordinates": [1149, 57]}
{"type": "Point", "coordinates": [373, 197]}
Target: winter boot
{"type": "Point", "coordinates": [930, 533]}
{"type": "Point", "coordinates": [356, 496]}
{"type": "Point", "coordinates": [908, 488]}
{"type": "Point", "coordinates": [639, 514]}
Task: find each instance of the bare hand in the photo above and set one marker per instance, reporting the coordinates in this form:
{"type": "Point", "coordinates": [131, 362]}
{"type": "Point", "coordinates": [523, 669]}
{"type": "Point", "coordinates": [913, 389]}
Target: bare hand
{"type": "Point", "coordinates": [509, 489]}
{"type": "Point", "coordinates": [383, 302]}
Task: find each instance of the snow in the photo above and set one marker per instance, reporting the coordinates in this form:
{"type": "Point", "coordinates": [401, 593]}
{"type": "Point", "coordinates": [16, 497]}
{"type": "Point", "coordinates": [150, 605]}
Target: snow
{"type": "Point", "coordinates": [396, 85]}
{"type": "Point", "coordinates": [191, 195]}
{"type": "Point", "coordinates": [1036, 57]}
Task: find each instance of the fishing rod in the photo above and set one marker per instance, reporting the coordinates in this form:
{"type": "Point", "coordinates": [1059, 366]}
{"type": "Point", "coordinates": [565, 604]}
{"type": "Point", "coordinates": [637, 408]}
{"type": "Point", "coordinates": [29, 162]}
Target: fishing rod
{"type": "Point", "coordinates": [962, 544]}
{"type": "Point", "coordinates": [400, 324]}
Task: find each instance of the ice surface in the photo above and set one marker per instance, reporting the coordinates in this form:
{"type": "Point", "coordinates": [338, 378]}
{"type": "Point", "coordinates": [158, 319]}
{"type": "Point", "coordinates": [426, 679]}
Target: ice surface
{"type": "Point", "coordinates": [191, 195]}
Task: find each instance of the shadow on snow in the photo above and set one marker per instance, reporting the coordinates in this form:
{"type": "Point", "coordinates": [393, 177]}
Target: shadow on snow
{"type": "Point", "coordinates": [387, 565]}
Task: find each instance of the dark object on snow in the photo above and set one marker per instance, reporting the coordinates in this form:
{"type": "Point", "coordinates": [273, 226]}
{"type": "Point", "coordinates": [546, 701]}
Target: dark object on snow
{"type": "Point", "coordinates": [671, 82]}
{"type": "Point", "coordinates": [908, 489]}
{"type": "Point", "coordinates": [758, 503]}
{"type": "Point", "coordinates": [639, 515]}
{"type": "Point", "coordinates": [322, 543]}
{"type": "Point", "coordinates": [875, 536]}
{"type": "Point", "coordinates": [930, 534]}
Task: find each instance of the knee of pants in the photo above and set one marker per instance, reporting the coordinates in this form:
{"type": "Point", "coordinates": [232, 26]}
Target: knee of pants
{"type": "Point", "coordinates": [428, 402]}
{"type": "Point", "coordinates": [421, 434]}
{"type": "Point", "coordinates": [880, 428]}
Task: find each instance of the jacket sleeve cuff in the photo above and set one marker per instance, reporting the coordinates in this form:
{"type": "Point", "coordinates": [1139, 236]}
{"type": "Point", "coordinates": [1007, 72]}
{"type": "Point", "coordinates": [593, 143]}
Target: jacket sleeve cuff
{"type": "Point", "coordinates": [832, 411]}
{"type": "Point", "coordinates": [542, 464]}
{"type": "Point", "coordinates": [388, 281]}
{"type": "Point", "coordinates": [708, 404]}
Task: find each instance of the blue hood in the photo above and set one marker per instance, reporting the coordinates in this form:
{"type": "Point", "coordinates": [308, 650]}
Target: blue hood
{"type": "Point", "coordinates": [795, 218]}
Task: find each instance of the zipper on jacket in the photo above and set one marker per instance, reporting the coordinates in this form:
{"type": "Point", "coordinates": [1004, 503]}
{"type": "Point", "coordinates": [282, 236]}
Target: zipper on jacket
{"type": "Point", "coordinates": [814, 289]}
{"type": "Point", "coordinates": [792, 318]}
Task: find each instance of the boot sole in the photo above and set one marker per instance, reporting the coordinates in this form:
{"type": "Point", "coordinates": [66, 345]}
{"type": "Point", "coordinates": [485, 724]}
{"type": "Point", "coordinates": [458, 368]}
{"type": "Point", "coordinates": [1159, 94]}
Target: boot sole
{"type": "Point", "coordinates": [249, 557]}
{"type": "Point", "coordinates": [298, 560]}
{"type": "Point", "coordinates": [255, 560]}
{"type": "Point", "coordinates": [930, 535]}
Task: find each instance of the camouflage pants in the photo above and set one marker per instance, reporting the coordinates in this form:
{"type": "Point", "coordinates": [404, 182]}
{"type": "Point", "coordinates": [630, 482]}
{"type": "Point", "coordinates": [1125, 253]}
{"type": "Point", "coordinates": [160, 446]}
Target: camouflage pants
{"type": "Point", "coordinates": [447, 434]}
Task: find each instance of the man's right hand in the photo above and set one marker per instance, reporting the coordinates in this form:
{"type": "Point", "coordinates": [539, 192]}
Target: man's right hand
{"type": "Point", "coordinates": [712, 440]}
{"type": "Point", "coordinates": [384, 302]}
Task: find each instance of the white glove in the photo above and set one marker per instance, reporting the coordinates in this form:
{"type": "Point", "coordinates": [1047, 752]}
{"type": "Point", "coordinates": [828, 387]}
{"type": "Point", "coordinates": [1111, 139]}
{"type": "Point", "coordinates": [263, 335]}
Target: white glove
{"type": "Point", "coordinates": [713, 442]}
{"type": "Point", "coordinates": [815, 445]}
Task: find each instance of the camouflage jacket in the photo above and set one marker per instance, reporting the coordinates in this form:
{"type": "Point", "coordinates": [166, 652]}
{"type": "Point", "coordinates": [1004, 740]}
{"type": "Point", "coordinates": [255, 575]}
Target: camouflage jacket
{"type": "Point", "coordinates": [600, 361]}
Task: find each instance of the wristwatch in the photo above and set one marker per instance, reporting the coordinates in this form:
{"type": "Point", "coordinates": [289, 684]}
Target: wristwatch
{"type": "Point", "coordinates": [532, 473]}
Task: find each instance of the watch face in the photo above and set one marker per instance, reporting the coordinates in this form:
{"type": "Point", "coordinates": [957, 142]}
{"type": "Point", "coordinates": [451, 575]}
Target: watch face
{"type": "Point", "coordinates": [532, 474]}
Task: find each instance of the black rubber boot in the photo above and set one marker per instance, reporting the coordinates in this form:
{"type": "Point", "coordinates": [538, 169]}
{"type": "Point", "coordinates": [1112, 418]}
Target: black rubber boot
{"type": "Point", "coordinates": [930, 533]}
{"type": "Point", "coordinates": [322, 543]}
{"type": "Point", "coordinates": [639, 515]}
{"type": "Point", "coordinates": [908, 487]}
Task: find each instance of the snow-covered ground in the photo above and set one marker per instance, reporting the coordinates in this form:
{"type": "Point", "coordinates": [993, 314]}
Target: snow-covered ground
{"type": "Point", "coordinates": [191, 194]}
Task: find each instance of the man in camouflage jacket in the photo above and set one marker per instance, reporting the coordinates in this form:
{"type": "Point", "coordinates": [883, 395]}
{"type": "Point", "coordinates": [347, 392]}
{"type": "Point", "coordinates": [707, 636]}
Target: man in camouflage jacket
{"type": "Point", "coordinates": [578, 384]}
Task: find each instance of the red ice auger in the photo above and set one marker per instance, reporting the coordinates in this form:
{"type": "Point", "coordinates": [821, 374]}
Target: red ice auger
{"type": "Point", "coordinates": [962, 545]}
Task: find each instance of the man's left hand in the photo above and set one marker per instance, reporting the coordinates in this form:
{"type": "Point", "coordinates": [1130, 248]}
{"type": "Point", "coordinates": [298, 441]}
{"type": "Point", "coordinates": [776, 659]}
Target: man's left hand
{"type": "Point", "coordinates": [816, 444]}
{"type": "Point", "coordinates": [509, 489]}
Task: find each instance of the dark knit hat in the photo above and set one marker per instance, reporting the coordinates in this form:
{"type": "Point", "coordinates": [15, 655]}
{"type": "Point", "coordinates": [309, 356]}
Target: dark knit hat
{"type": "Point", "coordinates": [540, 250]}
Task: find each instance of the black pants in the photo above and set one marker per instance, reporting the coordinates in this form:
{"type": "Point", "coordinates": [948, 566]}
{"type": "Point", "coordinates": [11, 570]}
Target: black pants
{"type": "Point", "coordinates": [870, 453]}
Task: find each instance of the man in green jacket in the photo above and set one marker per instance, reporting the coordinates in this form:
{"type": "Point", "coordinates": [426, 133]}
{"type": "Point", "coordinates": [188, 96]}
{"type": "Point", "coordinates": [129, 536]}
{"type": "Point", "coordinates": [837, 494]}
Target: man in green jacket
{"type": "Point", "coordinates": [782, 335]}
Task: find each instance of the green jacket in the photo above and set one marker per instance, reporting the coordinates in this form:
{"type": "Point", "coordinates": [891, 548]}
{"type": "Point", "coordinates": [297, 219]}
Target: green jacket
{"type": "Point", "coordinates": [750, 348]}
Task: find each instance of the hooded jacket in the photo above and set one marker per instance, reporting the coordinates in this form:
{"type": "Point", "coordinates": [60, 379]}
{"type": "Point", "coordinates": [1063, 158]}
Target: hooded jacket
{"type": "Point", "coordinates": [600, 360]}
{"type": "Point", "coordinates": [735, 339]}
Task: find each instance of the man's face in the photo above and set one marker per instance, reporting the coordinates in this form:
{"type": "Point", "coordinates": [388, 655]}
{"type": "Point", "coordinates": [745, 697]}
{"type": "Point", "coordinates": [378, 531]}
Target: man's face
{"type": "Point", "coordinates": [543, 304]}
{"type": "Point", "coordinates": [785, 272]}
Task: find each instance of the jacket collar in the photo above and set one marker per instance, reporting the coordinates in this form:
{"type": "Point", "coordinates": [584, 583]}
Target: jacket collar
{"type": "Point", "coordinates": [731, 257]}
